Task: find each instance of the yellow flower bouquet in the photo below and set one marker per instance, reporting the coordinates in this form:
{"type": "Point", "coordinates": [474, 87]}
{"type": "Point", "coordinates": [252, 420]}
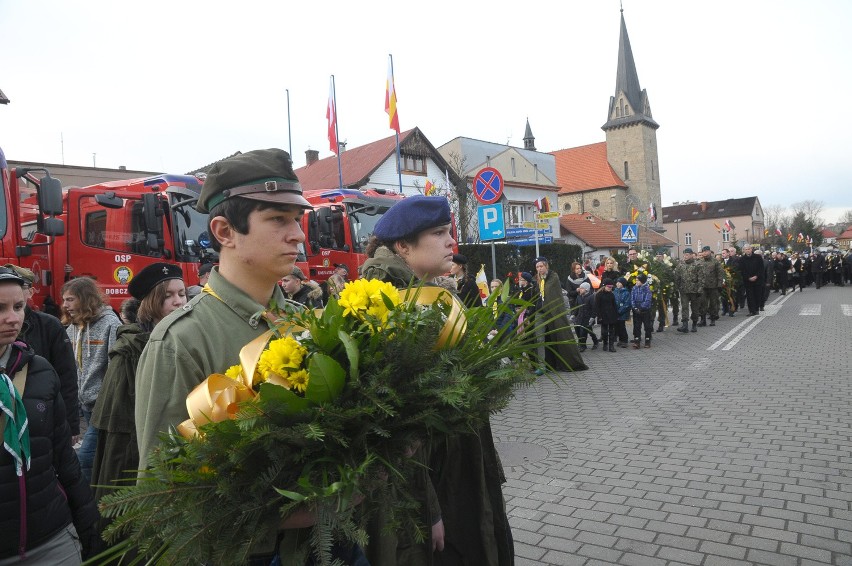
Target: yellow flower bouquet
{"type": "Point", "coordinates": [320, 414]}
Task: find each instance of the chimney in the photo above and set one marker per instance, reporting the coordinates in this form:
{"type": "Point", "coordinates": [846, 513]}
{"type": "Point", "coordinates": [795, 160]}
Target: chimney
{"type": "Point", "coordinates": [704, 206]}
{"type": "Point", "coordinates": [311, 156]}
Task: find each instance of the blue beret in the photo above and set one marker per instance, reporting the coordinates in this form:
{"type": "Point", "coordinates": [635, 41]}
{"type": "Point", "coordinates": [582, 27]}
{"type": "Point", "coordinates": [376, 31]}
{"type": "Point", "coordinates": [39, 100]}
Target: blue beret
{"type": "Point", "coordinates": [151, 276]}
{"type": "Point", "coordinates": [542, 259]}
{"type": "Point", "coordinates": [688, 251]}
{"type": "Point", "coordinates": [411, 216]}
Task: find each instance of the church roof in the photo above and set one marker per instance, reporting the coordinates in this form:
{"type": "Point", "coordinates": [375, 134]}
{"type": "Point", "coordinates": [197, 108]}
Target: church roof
{"type": "Point", "coordinates": [528, 132]}
{"type": "Point", "coordinates": [599, 233]}
{"type": "Point", "coordinates": [585, 168]}
{"type": "Point", "coordinates": [5, 100]}
{"type": "Point", "coordinates": [703, 210]}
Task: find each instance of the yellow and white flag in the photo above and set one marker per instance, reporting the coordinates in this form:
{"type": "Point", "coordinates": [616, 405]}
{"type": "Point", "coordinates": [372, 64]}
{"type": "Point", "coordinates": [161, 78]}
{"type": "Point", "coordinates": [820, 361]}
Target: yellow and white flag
{"type": "Point", "coordinates": [482, 282]}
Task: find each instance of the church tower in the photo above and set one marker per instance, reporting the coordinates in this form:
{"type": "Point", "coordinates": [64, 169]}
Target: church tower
{"type": "Point", "coordinates": [529, 140]}
{"type": "Point", "coordinates": [631, 138]}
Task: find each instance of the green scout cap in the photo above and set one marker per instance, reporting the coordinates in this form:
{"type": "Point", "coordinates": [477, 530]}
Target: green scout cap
{"type": "Point", "coordinates": [263, 174]}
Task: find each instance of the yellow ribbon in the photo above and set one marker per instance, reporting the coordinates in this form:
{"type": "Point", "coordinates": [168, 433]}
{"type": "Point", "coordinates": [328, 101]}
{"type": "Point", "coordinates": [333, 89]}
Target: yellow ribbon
{"type": "Point", "coordinates": [456, 323]}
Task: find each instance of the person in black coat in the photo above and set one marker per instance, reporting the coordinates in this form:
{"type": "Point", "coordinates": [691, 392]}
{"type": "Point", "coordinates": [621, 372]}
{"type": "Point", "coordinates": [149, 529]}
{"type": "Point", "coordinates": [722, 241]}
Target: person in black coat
{"type": "Point", "coordinates": [751, 267]}
{"type": "Point", "coordinates": [607, 312]}
{"type": "Point", "coordinates": [40, 475]}
{"type": "Point", "coordinates": [466, 286]}
{"type": "Point", "coordinates": [47, 337]}
{"type": "Point", "coordinates": [817, 267]}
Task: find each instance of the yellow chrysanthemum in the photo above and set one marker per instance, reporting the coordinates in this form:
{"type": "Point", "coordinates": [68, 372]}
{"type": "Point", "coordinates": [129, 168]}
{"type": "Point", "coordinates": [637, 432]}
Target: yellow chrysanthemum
{"type": "Point", "coordinates": [234, 371]}
{"type": "Point", "coordinates": [281, 357]}
{"type": "Point", "coordinates": [364, 297]}
{"type": "Point", "coordinates": [299, 380]}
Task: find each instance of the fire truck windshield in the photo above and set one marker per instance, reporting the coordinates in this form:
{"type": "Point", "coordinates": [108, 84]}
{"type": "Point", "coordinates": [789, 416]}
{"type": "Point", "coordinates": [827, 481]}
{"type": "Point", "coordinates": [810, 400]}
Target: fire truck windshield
{"type": "Point", "coordinates": [192, 242]}
{"type": "Point", "coordinates": [362, 219]}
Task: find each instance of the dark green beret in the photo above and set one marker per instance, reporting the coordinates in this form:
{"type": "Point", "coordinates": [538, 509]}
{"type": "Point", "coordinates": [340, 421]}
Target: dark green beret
{"type": "Point", "coordinates": [151, 276]}
{"type": "Point", "coordinates": [706, 249]}
{"type": "Point", "coordinates": [688, 251]}
{"type": "Point", "coordinates": [411, 216]}
{"type": "Point", "coordinates": [263, 174]}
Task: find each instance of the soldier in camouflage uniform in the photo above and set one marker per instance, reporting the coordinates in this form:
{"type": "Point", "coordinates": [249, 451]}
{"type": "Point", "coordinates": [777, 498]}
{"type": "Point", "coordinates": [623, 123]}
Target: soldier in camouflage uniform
{"type": "Point", "coordinates": [712, 278]}
{"type": "Point", "coordinates": [690, 285]}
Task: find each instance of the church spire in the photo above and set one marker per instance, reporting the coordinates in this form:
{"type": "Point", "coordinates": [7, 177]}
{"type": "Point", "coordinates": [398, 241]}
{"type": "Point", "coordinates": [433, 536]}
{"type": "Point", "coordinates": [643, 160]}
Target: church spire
{"type": "Point", "coordinates": [630, 104]}
{"type": "Point", "coordinates": [529, 140]}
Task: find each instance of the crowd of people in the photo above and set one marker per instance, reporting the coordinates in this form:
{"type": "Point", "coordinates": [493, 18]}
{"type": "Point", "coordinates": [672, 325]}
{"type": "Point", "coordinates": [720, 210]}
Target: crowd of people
{"type": "Point", "coordinates": [127, 375]}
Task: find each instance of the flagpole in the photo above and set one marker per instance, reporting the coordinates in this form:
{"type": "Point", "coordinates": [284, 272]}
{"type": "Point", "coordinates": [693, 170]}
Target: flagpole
{"type": "Point", "coordinates": [398, 158]}
{"type": "Point", "coordinates": [289, 135]}
{"type": "Point", "coordinates": [336, 134]}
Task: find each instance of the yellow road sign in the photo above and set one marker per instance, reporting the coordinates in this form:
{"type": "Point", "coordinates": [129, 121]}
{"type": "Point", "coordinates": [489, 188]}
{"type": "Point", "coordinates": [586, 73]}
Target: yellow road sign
{"type": "Point", "coordinates": [535, 225]}
{"type": "Point", "coordinates": [543, 215]}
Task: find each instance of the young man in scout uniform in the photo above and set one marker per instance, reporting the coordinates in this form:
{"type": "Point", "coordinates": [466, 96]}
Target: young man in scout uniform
{"type": "Point", "coordinates": [255, 204]}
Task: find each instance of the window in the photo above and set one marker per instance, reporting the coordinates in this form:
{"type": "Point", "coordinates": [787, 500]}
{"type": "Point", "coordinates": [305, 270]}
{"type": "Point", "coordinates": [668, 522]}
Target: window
{"type": "Point", "coordinates": [626, 172]}
{"type": "Point", "coordinates": [488, 160]}
{"type": "Point", "coordinates": [687, 238]}
{"type": "Point", "coordinates": [119, 229]}
{"type": "Point", "coordinates": [535, 167]}
{"type": "Point", "coordinates": [596, 203]}
{"type": "Point", "coordinates": [653, 172]}
{"type": "Point", "coordinates": [726, 235]}
{"type": "Point", "coordinates": [567, 206]}
{"type": "Point", "coordinates": [413, 165]}
{"type": "Point", "coordinates": [513, 167]}
{"type": "Point", "coordinates": [516, 213]}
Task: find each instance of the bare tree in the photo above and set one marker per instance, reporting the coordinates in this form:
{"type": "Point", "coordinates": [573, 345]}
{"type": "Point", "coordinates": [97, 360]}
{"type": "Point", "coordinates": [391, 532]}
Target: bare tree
{"type": "Point", "coordinates": [846, 219]}
{"type": "Point", "coordinates": [811, 211]}
{"type": "Point", "coordinates": [463, 201]}
{"type": "Point", "coordinates": [772, 215]}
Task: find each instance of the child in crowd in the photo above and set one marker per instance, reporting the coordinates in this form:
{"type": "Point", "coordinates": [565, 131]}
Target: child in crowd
{"type": "Point", "coordinates": [641, 301]}
{"type": "Point", "coordinates": [607, 311]}
{"type": "Point", "coordinates": [586, 312]}
{"type": "Point", "coordinates": [622, 301]}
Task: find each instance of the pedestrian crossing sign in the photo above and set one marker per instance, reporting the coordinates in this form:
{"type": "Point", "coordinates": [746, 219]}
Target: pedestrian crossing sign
{"type": "Point", "coordinates": [629, 233]}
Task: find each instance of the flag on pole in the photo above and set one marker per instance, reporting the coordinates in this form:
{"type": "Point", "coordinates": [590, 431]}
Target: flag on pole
{"type": "Point", "coordinates": [778, 232]}
{"type": "Point", "coordinates": [789, 237]}
{"type": "Point", "coordinates": [718, 228]}
{"type": "Point", "coordinates": [429, 188]}
{"type": "Point", "coordinates": [542, 204]}
{"type": "Point", "coordinates": [729, 225]}
{"type": "Point", "coordinates": [634, 214]}
{"type": "Point", "coordinates": [331, 116]}
{"type": "Point", "coordinates": [390, 98]}
{"type": "Point", "coordinates": [482, 282]}
{"type": "Point", "coordinates": [766, 232]}
{"type": "Point", "coordinates": [652, 213]}
{"type": "Point", "coordinates": [447, 186]}
{"type": "Point", "coordinates": [800, 238]}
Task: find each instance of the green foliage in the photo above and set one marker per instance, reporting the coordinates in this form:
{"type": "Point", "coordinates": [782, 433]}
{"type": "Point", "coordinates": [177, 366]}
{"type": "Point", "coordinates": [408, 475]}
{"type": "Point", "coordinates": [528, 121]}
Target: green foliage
{"type": "Point", "coordinates": [216, 497]}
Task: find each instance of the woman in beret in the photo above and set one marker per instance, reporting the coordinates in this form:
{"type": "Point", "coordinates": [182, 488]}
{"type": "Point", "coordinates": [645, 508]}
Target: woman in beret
{"type": "Point", "coordinates": [160, 289]}
{"type": "Point", "coordinates": [462, 497]}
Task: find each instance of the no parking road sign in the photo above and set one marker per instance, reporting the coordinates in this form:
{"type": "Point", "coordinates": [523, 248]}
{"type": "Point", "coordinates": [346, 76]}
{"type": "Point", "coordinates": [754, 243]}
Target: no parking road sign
{"type": "Point", "coordinates": [488, 185]}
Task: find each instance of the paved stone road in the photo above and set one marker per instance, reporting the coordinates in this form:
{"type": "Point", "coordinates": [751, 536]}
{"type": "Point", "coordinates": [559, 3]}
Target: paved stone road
{"type": "Point", "coordinates": [730, 446]}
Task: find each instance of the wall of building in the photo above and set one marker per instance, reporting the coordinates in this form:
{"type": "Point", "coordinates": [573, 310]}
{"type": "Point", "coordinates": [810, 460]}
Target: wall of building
{"type": "Point", "coordinates": [637, 145]}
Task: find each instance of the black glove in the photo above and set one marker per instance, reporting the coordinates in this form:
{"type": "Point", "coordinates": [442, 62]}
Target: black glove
{"type": "Point", "coordinates": [92, 542]}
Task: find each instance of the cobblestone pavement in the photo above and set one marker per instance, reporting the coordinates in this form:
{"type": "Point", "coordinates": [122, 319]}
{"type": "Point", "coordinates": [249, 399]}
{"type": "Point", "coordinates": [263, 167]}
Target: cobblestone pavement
{"type": "Point", "coordinates": [729, 446]}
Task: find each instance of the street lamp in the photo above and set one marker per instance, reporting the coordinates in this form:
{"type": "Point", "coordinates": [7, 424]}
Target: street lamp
{"type": "Point", "coordinates": [677, 222]}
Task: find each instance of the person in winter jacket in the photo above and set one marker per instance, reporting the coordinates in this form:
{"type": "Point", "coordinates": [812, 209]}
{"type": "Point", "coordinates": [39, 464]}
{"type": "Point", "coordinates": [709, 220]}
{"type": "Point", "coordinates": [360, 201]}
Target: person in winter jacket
{"type": "Point", "coordinates": [751, 267]}
{"type": "Point", "coordinates": [585, 314]}
{"type": "Point", "coordinates": [577, 277]}
{"type": "Point", "coordinates": [607, 311]}
{"type": "Point", "coordinates": [641, 299]}
{"type": "Point", "coordinates": [46, 507]}
{"type": "Point", "coordinates": [160, 289]}
{"type": "Point", "coordinates": [91, 329]}
{"type": "Point", "coordinates": [297, 288]}
{"type": "Point", "coordinates": [46, 336]}
{"type": "Point", "coordinates": [622, 302]}
{"type": "Point", "coordinates": [466, 286]}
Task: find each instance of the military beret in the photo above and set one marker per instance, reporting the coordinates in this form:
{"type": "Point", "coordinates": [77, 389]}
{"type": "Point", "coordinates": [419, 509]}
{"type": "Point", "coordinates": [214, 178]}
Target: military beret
{"type": "Point", "coordinates": [26, 274]}
{"type": "Point", "coordinates": [688, 251]}
{"type": "Point", "coordinates": [205, 269]}
{"type": "Point", "coordinates": [411, 216]}
{"type": "Point", "coordinates": [459, 259]}
{"type": "Point", "coordinates": [9, 275]}
{"type": "Point", "coordinates": [705, 249]}
{"type": "Point", "coordinates": [152, 275]}
{"type": "Point", "coordinates": [527, 275]}
{"type": "Point", "coordinates": [263, 174]}
{"type": "Point", "coordinates": [542, 259]}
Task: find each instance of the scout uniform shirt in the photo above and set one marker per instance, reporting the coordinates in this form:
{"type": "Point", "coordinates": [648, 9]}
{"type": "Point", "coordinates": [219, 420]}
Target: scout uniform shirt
{"type": "Point", "coordinates": [202, 338]}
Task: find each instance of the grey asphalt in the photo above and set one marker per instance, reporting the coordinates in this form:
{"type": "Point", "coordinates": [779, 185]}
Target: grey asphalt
{"type": "Point", "coordinates": [730, 446]}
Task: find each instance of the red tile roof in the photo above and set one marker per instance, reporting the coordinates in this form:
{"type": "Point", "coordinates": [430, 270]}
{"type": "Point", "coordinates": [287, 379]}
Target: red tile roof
{"type": "Point", "coordinates": [357, 165]}
{"type": "Point", "coordinates": [847, 234]}
{"type": "Point", "coordinates": [585, 168]}
{"type": "Point", "coordinates": [826, 233]}
{"type": "Point", "coordinates": [599, 233]}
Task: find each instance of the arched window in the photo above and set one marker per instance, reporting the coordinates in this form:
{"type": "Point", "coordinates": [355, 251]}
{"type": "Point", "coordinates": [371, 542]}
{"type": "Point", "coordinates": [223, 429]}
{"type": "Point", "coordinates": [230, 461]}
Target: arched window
{"type": "Point", "coordinates": [596, 203]}
{"type": "Point", "coordinates": [626, 172]}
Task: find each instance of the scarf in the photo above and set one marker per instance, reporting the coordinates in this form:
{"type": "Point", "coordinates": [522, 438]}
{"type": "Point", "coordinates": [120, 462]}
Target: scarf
{"type": "Point", "coordinates": [16, 433]}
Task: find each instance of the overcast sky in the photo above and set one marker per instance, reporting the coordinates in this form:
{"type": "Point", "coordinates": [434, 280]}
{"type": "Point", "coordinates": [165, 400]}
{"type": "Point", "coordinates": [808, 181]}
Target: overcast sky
{"type": "Point", "coordinates": [749, 94]}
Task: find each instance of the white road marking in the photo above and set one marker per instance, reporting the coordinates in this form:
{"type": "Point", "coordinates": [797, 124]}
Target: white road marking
{"type": "Point", "coordinates": [810, 310]}
{"type": "Point", "coordinates": [742, 334]}
{"type": "Point", "coordinates": [847, 310]}
{"type": "Point", "coordinates": [730, 333]}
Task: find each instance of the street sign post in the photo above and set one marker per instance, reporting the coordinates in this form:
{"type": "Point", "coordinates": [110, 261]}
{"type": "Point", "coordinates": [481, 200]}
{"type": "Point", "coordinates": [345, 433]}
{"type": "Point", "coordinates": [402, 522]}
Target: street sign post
{"type": "Point", "coordinates": [532, 241]}
{"type": "Point", "coordinates": [629, 233]}
{"type": "Point", "coordinates": [488, 185]}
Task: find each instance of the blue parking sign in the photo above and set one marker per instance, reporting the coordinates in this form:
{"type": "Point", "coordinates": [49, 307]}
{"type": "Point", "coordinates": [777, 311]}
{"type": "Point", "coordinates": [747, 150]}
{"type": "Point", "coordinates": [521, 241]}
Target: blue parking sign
{"type": "Point", "coordinates": [491, 224]}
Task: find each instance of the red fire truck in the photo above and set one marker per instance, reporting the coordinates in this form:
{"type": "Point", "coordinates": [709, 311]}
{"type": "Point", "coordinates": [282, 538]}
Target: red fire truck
{"type": "Point", "coordinates": [112, 230]}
